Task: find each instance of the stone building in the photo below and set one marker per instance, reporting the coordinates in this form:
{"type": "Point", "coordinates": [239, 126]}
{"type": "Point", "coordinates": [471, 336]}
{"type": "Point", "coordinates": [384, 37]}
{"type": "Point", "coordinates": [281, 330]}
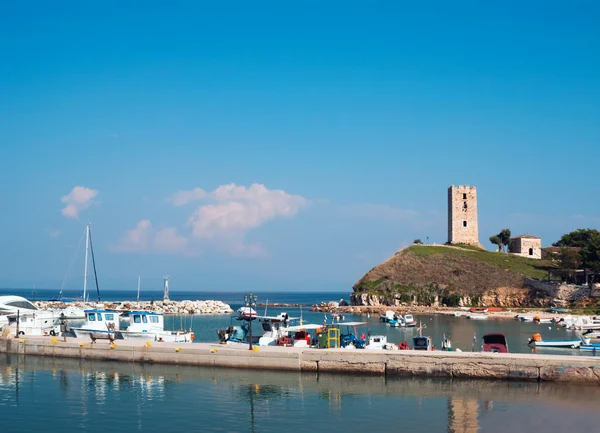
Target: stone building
{"type": "Point", "coordinates": [462, 215]}
{"type": "Point", "coordinates": [526, 246]}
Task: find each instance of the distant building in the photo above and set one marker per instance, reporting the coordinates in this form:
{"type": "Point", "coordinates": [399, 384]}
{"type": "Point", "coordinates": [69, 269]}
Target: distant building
{"type": "Point", "coordinates": [551, 253]}
{"type": "Point", "coordinates": [526, 246]}
{"type": "Point", "coordinates": [462, 215]}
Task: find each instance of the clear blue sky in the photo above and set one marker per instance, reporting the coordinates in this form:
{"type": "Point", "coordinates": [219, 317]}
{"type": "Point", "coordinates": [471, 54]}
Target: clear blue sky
{"type": "Point", "coordinates": [350, 119]}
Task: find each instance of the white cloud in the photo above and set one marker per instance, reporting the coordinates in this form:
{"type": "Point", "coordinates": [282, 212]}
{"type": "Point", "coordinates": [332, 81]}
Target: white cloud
{"type": "Point", "coordinates": [221, 224]}
{"type": "Point", "coordinates": [79, 199]}
{"type": "Point", "coordinates": [169, 241]}
{"type": "Point", "coordinates": [135, 239]}
{"type": "Point", "coordinates": [240, 209]}
{"type": "Point", "coordinates": [144, 238]}
{"type": "Point", "coordinates": [184, 197]}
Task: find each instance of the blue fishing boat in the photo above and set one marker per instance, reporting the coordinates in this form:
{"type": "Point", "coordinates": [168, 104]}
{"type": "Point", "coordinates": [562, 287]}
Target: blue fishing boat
{"type": "Point", "coordinates": [590, 347]}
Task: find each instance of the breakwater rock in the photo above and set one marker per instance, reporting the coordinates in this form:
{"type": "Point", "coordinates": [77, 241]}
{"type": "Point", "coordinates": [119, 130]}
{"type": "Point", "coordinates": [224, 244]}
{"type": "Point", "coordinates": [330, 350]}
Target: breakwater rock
{"type": "Point", "coordinates": [280, 305]}
{"type": "Point", "coordinates": [165, 307]}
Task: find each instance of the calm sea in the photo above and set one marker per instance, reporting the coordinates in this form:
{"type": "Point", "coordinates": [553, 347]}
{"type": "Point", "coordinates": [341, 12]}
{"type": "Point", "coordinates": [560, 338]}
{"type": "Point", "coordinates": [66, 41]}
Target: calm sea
{"type": "Point", "coordinates": [57, 395]}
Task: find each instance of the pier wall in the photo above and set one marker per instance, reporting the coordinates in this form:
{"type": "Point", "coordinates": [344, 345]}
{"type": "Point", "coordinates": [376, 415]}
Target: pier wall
{"type": "Point", "coordinates": [529, 367]}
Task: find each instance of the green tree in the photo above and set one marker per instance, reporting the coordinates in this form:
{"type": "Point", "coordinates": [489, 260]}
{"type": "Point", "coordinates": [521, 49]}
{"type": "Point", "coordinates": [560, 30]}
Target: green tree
{"type": "Point", "coordinates": [504, 236]}
{"type": "Point", "coordinates": [588, 242]}
{"type": "Point", "coordinates": [502, 239]}
{"type": "Point", "coordinates": [590, 255]}
{"type": "Point", "coordinates": [417, 241]}
{"type": "Point", "coordinates": [579, 238]}
{"type": "Point", "coordinates": [568, 261]}
{"type": "Point", "coordinates": [496, 240]}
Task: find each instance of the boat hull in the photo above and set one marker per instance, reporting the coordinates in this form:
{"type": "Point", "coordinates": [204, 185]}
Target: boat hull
{"type": "Point", "coordinates": [567, 344]}
{"type": "Point", "coordinates": [93, 333]}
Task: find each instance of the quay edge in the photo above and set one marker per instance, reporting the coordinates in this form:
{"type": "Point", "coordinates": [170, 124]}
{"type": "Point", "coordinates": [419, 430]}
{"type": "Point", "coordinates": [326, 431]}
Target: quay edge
{"type": "Point", "coordinates": [471, 365]}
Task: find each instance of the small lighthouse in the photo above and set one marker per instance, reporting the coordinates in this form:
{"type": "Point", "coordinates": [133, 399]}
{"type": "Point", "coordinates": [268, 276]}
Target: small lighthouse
{"type": "Point", "coordinates": [166, 279]}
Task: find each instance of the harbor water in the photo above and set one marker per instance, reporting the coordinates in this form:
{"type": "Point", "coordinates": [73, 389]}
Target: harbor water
{"type": "Point", "coordinates": [57, 395]}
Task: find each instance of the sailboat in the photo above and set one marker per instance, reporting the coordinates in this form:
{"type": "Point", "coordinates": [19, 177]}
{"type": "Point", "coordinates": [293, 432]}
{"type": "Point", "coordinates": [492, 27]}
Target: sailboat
{"type": "Point", "coordinates": [99, 323]}
{"type": "Point", "coordinates": [72, 312]}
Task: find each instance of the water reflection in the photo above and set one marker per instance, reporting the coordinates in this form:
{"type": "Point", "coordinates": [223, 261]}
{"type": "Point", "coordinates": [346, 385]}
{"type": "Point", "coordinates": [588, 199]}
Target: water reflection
{"type": "Point", "coordinates": [462, 415]}
{"type": "Point", "coordinates": [96, 395]}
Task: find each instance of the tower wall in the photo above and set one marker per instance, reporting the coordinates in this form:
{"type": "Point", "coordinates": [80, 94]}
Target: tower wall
{"type": "Point", "coordinates": [462, 215]}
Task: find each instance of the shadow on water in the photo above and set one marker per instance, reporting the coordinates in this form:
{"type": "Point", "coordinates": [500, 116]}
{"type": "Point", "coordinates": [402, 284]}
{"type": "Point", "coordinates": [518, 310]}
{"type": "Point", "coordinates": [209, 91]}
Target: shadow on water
{"type": "Point", "coordinates": [142, 397]}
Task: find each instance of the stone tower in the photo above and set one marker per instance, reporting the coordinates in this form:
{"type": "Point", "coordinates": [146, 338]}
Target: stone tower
{"type": "Point", "coordinates": [462, 215]}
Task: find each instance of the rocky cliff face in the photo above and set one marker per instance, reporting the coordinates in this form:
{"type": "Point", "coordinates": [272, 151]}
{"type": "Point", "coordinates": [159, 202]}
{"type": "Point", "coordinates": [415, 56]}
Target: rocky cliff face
{"type": "Point", "coordinates": [503, 297]}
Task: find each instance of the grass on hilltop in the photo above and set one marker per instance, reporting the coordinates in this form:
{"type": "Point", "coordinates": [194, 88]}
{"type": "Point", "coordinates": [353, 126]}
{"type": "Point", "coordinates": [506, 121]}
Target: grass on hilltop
{"type": "Point", "coordinates": [531, 268]}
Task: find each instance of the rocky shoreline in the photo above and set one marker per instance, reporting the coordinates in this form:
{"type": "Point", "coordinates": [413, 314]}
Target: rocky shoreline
{"type": "Point", "coordinates": [364, 310]}
{"type": "Point", "coordinates": [165, 307]}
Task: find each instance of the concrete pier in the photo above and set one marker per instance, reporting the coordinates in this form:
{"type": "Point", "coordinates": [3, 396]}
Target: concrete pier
{"type": "Point", "coordinates": [528, 367]}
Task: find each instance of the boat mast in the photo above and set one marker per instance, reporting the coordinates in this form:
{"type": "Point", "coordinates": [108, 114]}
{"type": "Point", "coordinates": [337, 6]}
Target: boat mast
{"type": "Point", "coordinates": [94, 265]}
{"type": "Point", "coordinates": [138, 296]}
{"type": "Point", "coordinates": [85, 269]}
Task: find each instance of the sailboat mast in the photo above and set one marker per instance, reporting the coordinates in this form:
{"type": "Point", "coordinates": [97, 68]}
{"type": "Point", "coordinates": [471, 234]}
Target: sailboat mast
{"type": "Point", "coordinates": [85, 269]}
{"type": "Point", "coordinates": [138, 296]}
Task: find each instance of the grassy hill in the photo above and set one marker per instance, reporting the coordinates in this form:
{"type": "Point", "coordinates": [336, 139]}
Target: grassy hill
{"type": "Point", "coordinates": [448, 272]}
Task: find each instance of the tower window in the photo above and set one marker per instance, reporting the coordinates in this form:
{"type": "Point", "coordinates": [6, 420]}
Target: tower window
{"type": "Point", "coordinates": [464, 223]}
{"type": "Point", "coordinates": [464, 196]}
{"type": "Point", "coordinates": [531, 251]}
{"type": "Point", "coordinates": [464, 205]}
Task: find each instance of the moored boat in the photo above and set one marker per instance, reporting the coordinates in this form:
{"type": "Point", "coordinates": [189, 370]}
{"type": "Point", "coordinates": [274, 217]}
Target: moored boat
{"type": "Point", "coordinates": [495, 343]}
{"type": "Point", "coordinates": [30, 319]}
{"type": "Point", "coordinates": [387, 316]}
{"type": "Point", "coordinates": [149, 326]}
{"type": "Point", "coordinates": [99, 324]}
{"type": "Point", "coordinates": [537, 341]}
{"type": "Point", "coordinates": [409, 320]}
{"type": "Point", "coordinates": [422, 343]}
{"type": "Point", "coordinates": [477, 316]}
{"type": "Point", "coordinates": [379, 342]}
{"type": "Point", "coordinates": [590, 347]}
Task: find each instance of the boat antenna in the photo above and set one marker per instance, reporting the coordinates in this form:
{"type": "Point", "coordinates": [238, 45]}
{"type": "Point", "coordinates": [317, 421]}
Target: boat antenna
{"type": "Point", "coordinates": [420, 328]}
{"type": "Point", "coordinates": [94, 264]}
{"type": "Point", "coordinates": [266, 305]}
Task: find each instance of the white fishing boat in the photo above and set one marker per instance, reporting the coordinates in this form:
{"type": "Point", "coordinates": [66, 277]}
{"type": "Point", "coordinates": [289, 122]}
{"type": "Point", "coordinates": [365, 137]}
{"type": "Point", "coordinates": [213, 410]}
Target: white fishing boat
{"type": "Point", "coordinates": [99, 324]}
{"type": "Point", "coordinates": [537, 341]}
{"type": "Point", "coordinates": [586, 323]}
{"type": "Point", "coordinates": [70, 312]}
{"type": "Point", "coordinates": [477, 316]}
{"type": "Point", "coordinates": [267, 331]}
{"type": "Point", "coordinates": [409, 320]}
{"type": "Point", "coordinates": [389, 315]}
{"type": "Point", "coordinates": [380, 342]}
{"type": "Point", "coordinates": [150, 326]}
{"type": "Point", "coordinates": [246, 312]}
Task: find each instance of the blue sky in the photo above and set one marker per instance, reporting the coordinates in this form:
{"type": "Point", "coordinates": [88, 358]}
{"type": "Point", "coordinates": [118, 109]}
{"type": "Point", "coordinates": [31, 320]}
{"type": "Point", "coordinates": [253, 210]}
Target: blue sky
{"type": "Point", "coordinates": [313, 139]}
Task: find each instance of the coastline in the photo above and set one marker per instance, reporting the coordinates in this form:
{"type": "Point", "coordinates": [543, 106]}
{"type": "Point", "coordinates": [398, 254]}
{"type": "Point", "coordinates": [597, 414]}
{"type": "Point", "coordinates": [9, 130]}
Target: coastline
{"type": "Point", "coordinates": [363, 310]}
